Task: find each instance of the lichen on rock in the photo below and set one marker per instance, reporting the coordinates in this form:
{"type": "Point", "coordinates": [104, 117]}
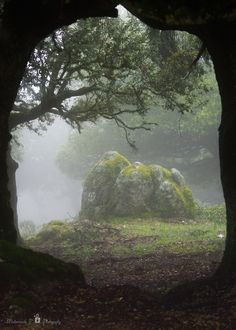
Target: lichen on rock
{"type": "Point", "coordinates": [177, 177]}
{"type": "Point", "coordinates": [133, 191]}
{"type": "Point", "coordinates": [115, 187]}
{"type": "Point", "coordinates": [98, 186]}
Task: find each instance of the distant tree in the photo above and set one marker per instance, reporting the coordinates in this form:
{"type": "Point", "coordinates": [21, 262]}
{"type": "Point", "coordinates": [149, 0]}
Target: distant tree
{"type": "Point", "coordinates": [185, 141]}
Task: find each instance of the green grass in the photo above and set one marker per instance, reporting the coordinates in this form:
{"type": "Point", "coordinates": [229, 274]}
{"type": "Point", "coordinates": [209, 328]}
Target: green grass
{"type": "Point", "coordinates": [124, 237]}
{"type": "Point", "coordinates": [173, 237]}
{"type": "Point", "coordinates": [169, 232]}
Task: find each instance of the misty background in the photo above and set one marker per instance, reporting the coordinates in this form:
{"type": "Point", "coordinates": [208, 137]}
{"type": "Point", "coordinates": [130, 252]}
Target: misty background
{"type": "Point", "coordinates": [44, 192]}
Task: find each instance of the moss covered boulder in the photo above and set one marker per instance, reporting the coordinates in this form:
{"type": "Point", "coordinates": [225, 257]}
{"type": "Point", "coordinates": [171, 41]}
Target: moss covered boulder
{"type": "Point", "coordinates": [151, 189]}
{"type": "Point", "coordinates": [172, 198]}
{"type": "Point", "coordinates": [115, 187]}
{"type": "Point", "coordinates": [133, 191]}
{"type": "Point", "coordinates": [99, 185]}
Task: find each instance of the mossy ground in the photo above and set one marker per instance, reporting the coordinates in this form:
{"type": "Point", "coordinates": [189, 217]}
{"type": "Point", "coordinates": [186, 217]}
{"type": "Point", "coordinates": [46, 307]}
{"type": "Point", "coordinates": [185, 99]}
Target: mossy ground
{"type": "Point", "coordinates": [119, 237]}
{"type": "Point", "coordinates": [22, 264]}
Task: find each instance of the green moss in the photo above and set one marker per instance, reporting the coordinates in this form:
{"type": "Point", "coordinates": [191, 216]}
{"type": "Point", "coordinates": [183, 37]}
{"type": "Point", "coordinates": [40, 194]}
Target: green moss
{"type": "Point", "coordinates": [141, 169]}
{"type": "Point", "coordinates": [128, 171]}
{"type": "Point", "coordinates": [54, 230]}
{"type": "Point", "coordinates": [110, 167]}
{"type": "Point", "coordinates": [167, 175]}
{"type": "Point", "coordinates": [189, 203]}
{"type": "Point", "coordinates": [134, 189]}
{"type": "Point", "coordinates": [56, 223]}
{"type": "Point", "coordinates": [47, 234]}
{"type": "Point", "coordinates": [181, 204]}
{"type": "Point", "coordinates": [117, 160]}
{"type": "Point", "coordinates": [186, 207]}
{"type": "Point", "coordinates": [116, 163]}
{"type": "Point", "coordinates": [183, 194]}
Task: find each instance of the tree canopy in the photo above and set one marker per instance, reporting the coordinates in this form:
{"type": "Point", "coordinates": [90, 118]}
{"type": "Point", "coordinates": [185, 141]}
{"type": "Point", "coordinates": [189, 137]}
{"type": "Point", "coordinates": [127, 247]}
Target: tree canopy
{"type": "Point", "coordinates": [183, 141]}
{"type": "Point", "coordinates": [105, 68]}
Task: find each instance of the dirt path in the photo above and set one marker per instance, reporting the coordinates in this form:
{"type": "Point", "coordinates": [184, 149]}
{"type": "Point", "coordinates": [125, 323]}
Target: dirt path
{"type": "Point", "coordinates": [154, 272]}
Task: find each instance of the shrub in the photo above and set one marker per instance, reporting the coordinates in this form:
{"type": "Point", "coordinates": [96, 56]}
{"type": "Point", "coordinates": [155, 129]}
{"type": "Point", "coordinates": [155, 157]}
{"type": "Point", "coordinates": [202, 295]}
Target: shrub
{"type": "Point", "coordinates": [215, 213]}
{"type": "Point", "coordinates": [27, 228]}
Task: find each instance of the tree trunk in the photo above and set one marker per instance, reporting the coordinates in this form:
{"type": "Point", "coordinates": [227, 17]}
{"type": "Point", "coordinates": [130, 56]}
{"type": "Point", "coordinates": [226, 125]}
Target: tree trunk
{"type": "Point", "coordinates": [13, 59]}
{"type": "Point", "coordinates": [7, 228]}
{"type": "Point", "coordinates": [12, 166]}
{"type": "Point", "coordinates": [221, 44]}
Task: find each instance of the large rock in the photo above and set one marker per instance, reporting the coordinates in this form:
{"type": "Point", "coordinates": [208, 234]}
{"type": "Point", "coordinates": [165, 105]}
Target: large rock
{"type": "Point", "coordinates": [114, 187]}
{"type": "Point", "coordinates": [133, 191]}
{"type": "Point", "coordinates": [99, 184]}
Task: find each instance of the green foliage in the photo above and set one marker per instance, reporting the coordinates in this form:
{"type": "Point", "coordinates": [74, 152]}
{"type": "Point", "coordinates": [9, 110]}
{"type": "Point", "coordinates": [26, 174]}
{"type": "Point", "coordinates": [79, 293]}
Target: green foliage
{"type": "Point", "coordinates": [80, 239]}
{"type": "Point", "coordinates": [27, 228]}
{"type": "Point", "coordinates": [56, 223]}
{"type": "Point", "coordinates": [82, 151]}
{"type": "Point", "coordinates": [187, 142]}
{"type": "Point", "coordinates": [105, 68]}
{"type": "Point", "coordinates": [215, 214]}
{"type": "Point", "coordinates": [122, 237]}
{"type": "Point", "coordinates": [186, 236]}
{"type": "Point", "coordinates": [55, 229]}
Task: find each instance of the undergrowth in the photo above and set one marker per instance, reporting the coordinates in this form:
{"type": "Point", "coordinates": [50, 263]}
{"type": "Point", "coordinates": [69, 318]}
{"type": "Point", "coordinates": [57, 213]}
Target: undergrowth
{"type": "Point", "coordinates": [123, 237]}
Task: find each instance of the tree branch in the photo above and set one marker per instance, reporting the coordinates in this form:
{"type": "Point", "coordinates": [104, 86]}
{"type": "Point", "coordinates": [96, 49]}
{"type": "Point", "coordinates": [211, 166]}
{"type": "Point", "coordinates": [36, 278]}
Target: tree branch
{"type": "Point", "coordinates": [23, 115]}
{"type": "Point", "coordinates": [194, 63]}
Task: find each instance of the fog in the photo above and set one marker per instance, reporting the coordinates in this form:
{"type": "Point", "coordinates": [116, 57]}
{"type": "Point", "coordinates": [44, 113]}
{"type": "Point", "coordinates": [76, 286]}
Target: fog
{"type": "Point", "coordinates": [44, 193]}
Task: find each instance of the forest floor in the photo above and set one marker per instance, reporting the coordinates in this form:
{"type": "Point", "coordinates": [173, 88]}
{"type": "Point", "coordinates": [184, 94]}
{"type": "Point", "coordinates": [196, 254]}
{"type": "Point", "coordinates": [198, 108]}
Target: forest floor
{"type": "Point", "coordinates": [162, 290]}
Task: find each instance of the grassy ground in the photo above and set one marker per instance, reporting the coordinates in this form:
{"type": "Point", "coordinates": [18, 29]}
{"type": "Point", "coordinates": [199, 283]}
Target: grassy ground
{"type": "Point", "coordinates": [142, 237]}
{"type": "Point", "coordinates": [131, 267]}
{"type": "Point", "coordinates": [126, 237]}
